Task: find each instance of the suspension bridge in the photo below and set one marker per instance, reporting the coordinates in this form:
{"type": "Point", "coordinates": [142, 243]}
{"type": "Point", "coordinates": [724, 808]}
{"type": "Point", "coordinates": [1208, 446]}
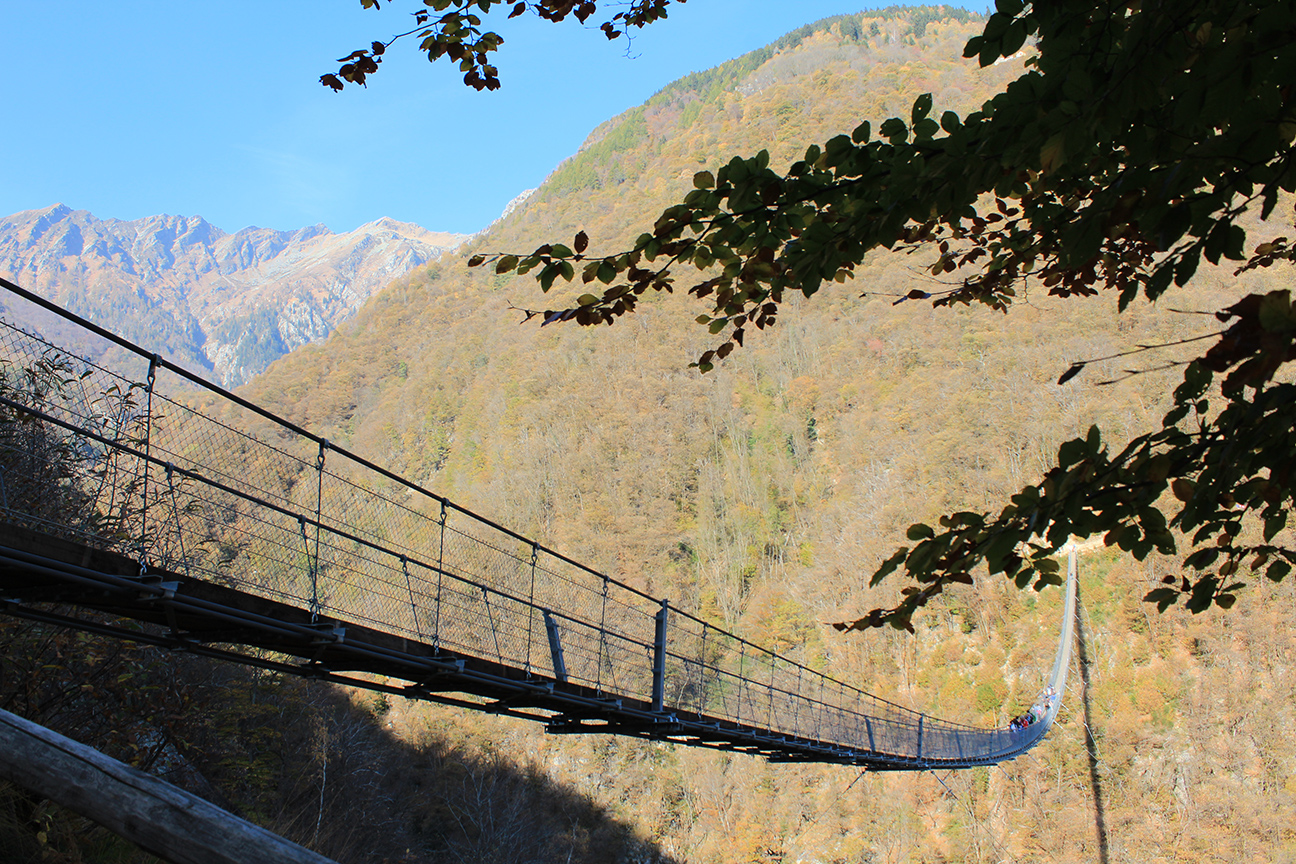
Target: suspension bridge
{"type": "Point", "coordinates": [139, 501]}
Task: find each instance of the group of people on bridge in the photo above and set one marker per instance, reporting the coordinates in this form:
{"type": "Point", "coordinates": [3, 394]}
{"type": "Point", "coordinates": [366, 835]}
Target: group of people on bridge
{"type": "Point", "coordinates": [1036, 712]}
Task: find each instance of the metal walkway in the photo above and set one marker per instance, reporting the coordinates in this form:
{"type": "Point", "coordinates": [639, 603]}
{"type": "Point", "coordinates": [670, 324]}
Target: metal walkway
{"type": "Point", "coordinates": [132, 489]}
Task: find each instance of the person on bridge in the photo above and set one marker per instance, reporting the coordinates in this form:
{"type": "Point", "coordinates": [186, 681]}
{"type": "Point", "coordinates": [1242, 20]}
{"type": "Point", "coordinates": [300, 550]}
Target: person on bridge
{"type": "Point", "coordinates": [1036, 712]}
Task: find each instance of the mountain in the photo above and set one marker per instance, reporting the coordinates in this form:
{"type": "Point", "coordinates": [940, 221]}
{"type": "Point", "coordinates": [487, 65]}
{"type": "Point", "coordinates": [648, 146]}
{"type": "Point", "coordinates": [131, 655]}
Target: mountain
{"type": "Point", "coordinates": [227, 304]}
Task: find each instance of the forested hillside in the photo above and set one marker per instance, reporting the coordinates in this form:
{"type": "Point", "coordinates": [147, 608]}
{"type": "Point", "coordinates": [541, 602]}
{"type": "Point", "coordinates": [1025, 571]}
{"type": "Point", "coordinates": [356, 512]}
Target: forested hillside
{"type": "Point", "coordinates": [761, 496]}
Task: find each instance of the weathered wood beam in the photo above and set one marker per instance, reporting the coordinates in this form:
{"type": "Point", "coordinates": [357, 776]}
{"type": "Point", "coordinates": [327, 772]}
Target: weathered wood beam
{"type": "Point", "coordinates": [155, 815]}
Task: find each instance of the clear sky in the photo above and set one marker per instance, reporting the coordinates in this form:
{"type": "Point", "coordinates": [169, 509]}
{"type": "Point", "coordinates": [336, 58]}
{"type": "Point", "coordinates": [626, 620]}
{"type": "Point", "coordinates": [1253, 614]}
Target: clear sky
{"type": "Point", "coordinates": [138, 107]}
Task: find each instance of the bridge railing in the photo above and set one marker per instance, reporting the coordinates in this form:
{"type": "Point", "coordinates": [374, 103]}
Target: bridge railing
{"type": "Point", "coordinates": [156, 463]}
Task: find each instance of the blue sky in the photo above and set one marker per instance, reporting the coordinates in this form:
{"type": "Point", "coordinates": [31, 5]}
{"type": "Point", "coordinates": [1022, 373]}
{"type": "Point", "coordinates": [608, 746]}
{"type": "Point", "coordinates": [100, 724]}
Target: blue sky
{"type": "Point", "coordinates": [138, 107]}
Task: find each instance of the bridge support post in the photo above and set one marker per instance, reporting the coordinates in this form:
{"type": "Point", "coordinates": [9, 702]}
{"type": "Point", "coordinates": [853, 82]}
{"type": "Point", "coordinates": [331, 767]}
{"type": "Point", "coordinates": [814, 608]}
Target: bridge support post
{"type": "Point", "coordinates": [659, 659]}
{"type": "Point", "coordinates": [555, 647]}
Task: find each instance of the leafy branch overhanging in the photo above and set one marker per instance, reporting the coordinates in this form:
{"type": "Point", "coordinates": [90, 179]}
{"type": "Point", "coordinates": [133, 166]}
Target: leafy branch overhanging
{"type": "Point", "coordinates": [1128, 151]}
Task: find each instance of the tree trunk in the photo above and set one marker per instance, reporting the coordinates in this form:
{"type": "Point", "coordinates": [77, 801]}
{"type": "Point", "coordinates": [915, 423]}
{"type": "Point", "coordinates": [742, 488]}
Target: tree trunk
{"type": "Point", "coordinates": [151, 813]}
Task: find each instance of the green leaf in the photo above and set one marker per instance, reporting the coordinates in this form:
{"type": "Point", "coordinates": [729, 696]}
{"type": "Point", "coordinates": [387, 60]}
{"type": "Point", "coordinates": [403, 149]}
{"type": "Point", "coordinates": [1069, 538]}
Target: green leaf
{"type": "Point", "coordinates": [837, 149]}
{"type": "Point", "coordinates": [1053, 153]}
{"type": "Point", "coordinates": [586, 300]}
{"type": "Point", "coordinates": [889, 565]}
{"type": "Point", "coordinates": [1276, 313]}
{"type": "Point", "coordinates": [989, 51]}
{"type": "Point", "coordinates": [1278, 571]}
{"type": "Point", "coordinates": [1163, 597]}
{"type": "Point", "coordinates": [1071, 452]}
{"type": "Point", "coordinates": [925, 129]}
{"type": "Point", "coordinates": [895, 130]}
{"type": "Point", "coordinates": [1273, 523]}
{"type": "Point", "coordinates": [1203, 593]}
{"type": "Point", "coordinates": [921, 108]}
{"type": "Point", "coordinates": [547, 276]}
{"type": "Point", "coordinates": [1187, 266]}
{"type": "Point", "coordinates": [919, 531]}
{"type": "Point", "coordinates": [704, 180]}
{"type": "Point", "coordinates": [1014, 38]}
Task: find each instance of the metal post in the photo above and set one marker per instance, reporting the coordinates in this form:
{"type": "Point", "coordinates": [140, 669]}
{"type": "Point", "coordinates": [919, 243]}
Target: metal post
{"type": "Point", "coordinates": [920, 731]}
{"type": "Point", "coordinates": [819, 710]}
{"type": "Point", "coordinates": [490, 616]}
{"type": "Point", "coordinates": [659, 658]}
{"type": "Point", "coordinates": [436, 633]}
{"type": "Point", "coordinates": [310, 567]}
{"type": "Point", "coordinates": [535, 553]}
{"type": "Point", "coordinates": [555, 648]}
{"type": "Point", "coordinates": [319, 507]}
{"type": "Point", "coordinates": [602, 637]}
{"type": "Point", "coordinates": [868, 727]}
{"type": "Point", "coordinates": [742, 679]}
{"type": "Point", "coordinates": [148, 453]}
{"type": "Point", "coordinates": [769, 723]}
{"type": "Point", "coordinates": [175, 507]}
{"type": "Point", "coordinates": [796, 709]}
{"type": "Point", "coordinates": [702, 657]}
{"type": "Point", "coordinates": [409, 586]}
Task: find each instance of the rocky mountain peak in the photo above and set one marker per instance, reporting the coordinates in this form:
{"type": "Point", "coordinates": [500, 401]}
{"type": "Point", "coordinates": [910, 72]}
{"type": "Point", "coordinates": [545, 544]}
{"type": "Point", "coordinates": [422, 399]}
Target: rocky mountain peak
{"type": "Point", "coordinates": [227, 304]}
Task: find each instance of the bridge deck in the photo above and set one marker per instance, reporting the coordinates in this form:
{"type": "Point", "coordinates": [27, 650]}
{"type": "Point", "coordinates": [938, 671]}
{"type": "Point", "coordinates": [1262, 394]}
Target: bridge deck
{"type": "Point", "coordinates": [38, 571]}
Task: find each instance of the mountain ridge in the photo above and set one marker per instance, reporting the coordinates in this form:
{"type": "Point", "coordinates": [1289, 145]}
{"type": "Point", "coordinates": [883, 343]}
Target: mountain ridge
{"type": "Point", "coordinates": [225, 303]}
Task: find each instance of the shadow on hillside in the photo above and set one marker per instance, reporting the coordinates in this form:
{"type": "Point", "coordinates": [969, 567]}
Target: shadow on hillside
{"type": "Point", "coordinates": [300, 758]}
{"type": "Point", "coordinates": [1091, 746]}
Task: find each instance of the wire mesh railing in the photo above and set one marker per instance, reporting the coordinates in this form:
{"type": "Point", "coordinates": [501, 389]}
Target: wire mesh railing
{"type": "Point", "coordinates": [156, 463]}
